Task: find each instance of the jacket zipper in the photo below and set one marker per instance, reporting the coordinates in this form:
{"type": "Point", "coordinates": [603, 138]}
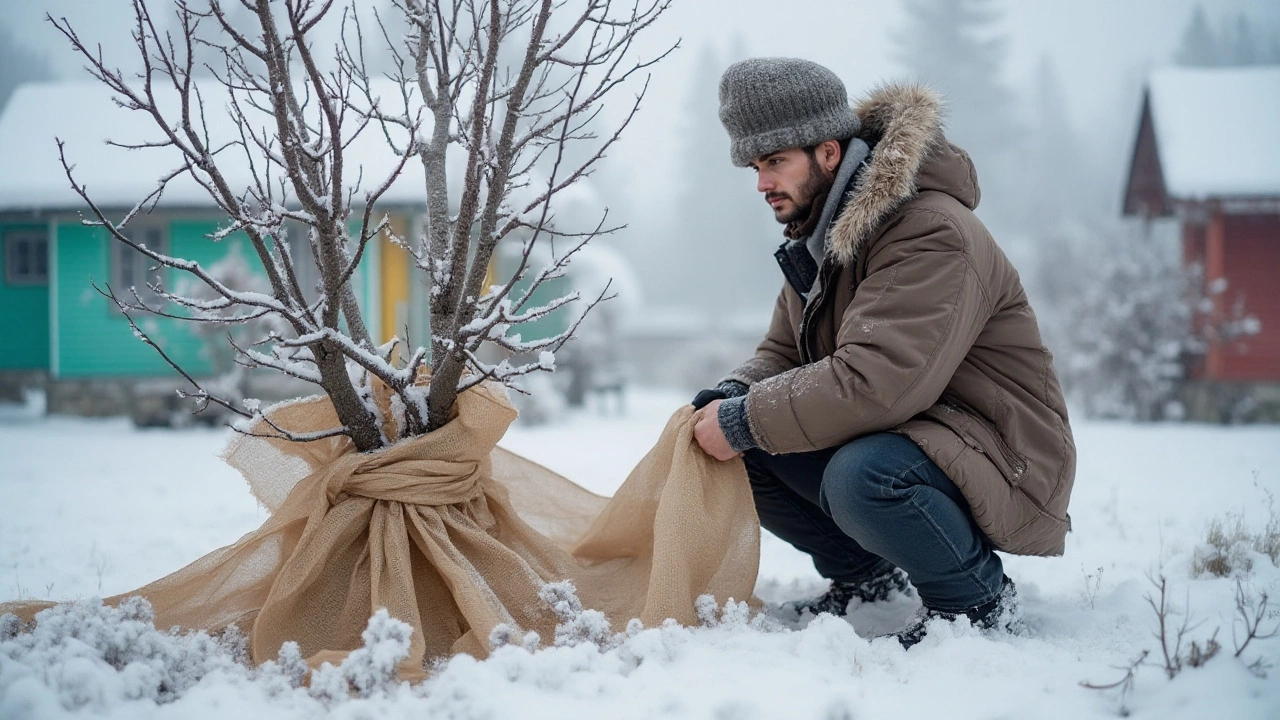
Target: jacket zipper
{"type": "Point", "coordinates": [1017, 466]}
{"type": "Point", "coordinates": [808, 349]}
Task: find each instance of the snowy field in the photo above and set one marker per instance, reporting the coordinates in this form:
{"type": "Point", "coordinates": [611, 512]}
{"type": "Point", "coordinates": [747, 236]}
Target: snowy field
{"type": "Point", "coordinates": [91, 508]}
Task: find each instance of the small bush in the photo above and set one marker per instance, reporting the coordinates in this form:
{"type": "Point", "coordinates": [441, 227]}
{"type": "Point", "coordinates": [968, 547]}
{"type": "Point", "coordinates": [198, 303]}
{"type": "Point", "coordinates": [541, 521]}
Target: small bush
{"type": "Point", "coordinates": [1229, 540]}
{"type": "Point", "coordinates": [1225, 551]}
{"type": "Point", "coordinates": [1268, 541]}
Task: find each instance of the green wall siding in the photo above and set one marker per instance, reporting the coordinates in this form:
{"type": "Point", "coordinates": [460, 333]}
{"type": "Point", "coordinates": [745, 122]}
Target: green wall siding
{"type": "Point", "coordinates": [553, 323]}
{"type": "Point", "coordinates": [549, 325]}
{"type": "Point", "coordinates": [365, 282]}
{"type": "Point", "coordinates": [94, 339]}
{"type": "Point", "coordinates": [24, 321]}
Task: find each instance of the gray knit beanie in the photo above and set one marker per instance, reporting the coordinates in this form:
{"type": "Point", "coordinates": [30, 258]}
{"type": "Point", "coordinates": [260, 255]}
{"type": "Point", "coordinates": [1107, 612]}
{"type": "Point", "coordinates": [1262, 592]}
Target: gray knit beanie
{"type": "Point", "coordinates": [771, 104]}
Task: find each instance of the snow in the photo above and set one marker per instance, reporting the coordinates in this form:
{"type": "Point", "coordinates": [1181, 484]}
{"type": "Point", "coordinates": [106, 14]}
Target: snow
{"type": "Point", "coordinates": [95, 507]}
{"type": "Point", "coordinates": [32, 178]}
{"type": "Point", "coordinates": [596, 266]}
{"type": "Point", "coordinates": [1216, 129]}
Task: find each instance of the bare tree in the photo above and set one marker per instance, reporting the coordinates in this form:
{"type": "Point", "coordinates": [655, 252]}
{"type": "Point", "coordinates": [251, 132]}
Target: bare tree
{"type": "Point", "coordinates": [511, 91]}
{"type": "Point", "coordinates": [296, 111]}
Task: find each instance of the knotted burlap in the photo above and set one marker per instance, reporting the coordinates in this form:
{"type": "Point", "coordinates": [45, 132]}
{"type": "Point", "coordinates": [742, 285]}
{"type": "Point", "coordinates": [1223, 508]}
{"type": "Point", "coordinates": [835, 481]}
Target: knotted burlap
{"type": "Point", "coordinates": [455, 536]}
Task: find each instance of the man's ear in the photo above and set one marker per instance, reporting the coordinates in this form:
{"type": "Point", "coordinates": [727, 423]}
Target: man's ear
{"type": "Point", "coordinates": [828, 153]}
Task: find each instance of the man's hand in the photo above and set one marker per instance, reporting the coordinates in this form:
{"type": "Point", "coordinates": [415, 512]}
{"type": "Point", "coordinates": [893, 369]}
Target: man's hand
{"type": "Point", "coordinates": [708, 434]}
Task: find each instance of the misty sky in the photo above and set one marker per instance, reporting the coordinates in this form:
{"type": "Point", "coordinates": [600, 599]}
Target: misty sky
{"type": "Point", "coordinates": [1101, 47]}
{"type": "Point", "coordinates": [1102, 50]}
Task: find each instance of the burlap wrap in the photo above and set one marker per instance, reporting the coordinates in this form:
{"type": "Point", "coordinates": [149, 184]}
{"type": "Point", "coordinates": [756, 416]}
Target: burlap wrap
{"type": "Point", "coordinates": [454, 536]}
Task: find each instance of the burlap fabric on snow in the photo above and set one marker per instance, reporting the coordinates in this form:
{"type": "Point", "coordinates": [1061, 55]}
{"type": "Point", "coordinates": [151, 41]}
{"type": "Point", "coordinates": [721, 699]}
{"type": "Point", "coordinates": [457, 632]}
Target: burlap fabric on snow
{"type": "Point", "coordinates": [455, 536]}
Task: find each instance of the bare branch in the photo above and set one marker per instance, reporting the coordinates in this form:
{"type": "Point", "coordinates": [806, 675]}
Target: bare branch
{"type": "Point", "coordinates": [282, 434]}
{"type": "Point", "coordinates": [1251, 613]}
{"type": "Point", "coordinates": [202, 396]}
{"type": "Point", "coordinates": [508, 92]}
{"type": "Point", "coordinates": [1124, 684]}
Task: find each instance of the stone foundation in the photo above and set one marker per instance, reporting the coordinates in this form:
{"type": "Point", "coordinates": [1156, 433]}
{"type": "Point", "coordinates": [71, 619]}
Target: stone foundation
{"type": "Point", "coordinates": [154, 402]}
{"type": "Point", "coordinates": [15, 383]}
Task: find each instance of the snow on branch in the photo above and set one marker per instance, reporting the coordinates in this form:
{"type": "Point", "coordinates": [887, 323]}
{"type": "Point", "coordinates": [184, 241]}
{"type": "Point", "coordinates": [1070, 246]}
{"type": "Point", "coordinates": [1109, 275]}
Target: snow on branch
{"type": "Point", "coordinates": [284, 162]}
{"type": "Point", "coordinates": [510, 89]}
{"type": "Point", "coordinates": [500, 103]}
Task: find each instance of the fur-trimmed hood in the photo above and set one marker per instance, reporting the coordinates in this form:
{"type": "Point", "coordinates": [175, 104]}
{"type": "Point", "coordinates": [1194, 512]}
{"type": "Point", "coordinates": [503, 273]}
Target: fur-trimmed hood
{"type": "Point", "coordinates": [903, 124]}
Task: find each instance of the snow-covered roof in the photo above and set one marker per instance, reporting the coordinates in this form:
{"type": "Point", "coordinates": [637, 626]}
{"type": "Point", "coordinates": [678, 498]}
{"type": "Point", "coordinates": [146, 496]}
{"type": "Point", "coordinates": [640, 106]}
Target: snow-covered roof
{"type": "Point", "coordinates": [83, 115]}
{"type": "Point", "coordinates": [1218, 130]}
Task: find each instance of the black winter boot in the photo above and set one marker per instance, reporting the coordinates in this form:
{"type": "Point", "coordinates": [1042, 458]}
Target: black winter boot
{"type": "Point", "coordinates": [1002, 613]}
{"type": "Point", "coordinates": [837, 598]}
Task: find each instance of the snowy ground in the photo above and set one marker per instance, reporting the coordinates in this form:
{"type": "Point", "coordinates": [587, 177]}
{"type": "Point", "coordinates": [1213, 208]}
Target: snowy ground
{"type": "Point", "coordinates": [93, 508]}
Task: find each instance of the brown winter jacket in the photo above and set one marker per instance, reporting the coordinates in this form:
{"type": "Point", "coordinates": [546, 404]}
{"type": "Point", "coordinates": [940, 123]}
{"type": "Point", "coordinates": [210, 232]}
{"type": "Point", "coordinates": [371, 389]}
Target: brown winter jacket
{"type": "Point", "coordinates": [919, 325]}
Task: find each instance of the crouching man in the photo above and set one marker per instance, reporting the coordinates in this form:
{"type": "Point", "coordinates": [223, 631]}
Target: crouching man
{"type": "Point", "coordinates": [901, 419]}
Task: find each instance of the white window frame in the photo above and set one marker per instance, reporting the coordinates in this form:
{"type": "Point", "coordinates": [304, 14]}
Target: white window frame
{"type": "Point", "coordinates": [32, 274]}
{"type": "Point", "coordinates": [130, 268]}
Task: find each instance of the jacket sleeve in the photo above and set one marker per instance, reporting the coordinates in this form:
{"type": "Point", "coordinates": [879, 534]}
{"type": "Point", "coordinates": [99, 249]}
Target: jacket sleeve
{"type": "Point", "coordinates": [778, 351]}
{"type": "Point", "coordinates": [911, 323]}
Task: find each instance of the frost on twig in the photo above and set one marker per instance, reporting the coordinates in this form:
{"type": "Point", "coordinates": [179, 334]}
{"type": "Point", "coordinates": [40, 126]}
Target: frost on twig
{"type": "Point", "coordinates": [288, 671]}
{"type": "Point", "coordinates": [577, 625]}
{"type": "Point", "coordinates": [94, 656]}
{"type": "Point", "coordinates": [504, 635]}
{"type": "Point", "coordinates": [1123, 686]}
{"type": "Point", "coordinates": [1251, 619]}
{"type": "Point", "coordinates": [513, 93]}
{"type": "Point", "coordinates": [370, 670]}
{"type": "Point", "coordinates": [289, 127]}
{"type": "Point", "coordinates": [711, 614]}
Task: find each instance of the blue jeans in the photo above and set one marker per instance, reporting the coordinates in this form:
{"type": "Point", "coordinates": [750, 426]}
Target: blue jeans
{"type": "Point", "coordinates": [874, 503]}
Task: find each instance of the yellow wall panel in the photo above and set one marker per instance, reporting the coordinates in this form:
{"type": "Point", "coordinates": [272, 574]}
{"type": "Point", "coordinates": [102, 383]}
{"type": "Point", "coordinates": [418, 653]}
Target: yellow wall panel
{"type": "Point", "coordinates": [395, 281]}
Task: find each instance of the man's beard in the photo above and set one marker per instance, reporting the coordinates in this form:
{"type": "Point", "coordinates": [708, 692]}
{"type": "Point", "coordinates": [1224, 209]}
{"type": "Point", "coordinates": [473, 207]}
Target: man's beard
{"type": "Point", "coordinates": [817, 183]}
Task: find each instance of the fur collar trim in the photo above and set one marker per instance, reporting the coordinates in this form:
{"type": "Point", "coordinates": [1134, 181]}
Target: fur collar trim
{"type": "Point", "coordinates": [903, 122]}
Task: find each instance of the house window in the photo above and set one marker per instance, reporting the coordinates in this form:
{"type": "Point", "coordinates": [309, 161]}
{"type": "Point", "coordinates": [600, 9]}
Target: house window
{"type": "Point", "coordinates": [131, 269]}
{"type": "Point", "coordinates": [26, 257]}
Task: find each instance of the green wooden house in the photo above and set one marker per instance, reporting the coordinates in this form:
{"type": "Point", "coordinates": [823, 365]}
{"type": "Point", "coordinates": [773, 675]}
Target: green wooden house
{"type": "Point", "coordinates": [57, 329]}
{"type": "Point", "coordinates": [59, 332]}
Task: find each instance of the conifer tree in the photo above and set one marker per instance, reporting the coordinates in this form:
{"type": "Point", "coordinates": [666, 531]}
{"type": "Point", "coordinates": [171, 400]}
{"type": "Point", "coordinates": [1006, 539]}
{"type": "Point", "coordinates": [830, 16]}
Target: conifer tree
{"type": "Point", "coordinates": [18, 64]}
{"type": "Point", "coordinates": [1053, 152]}
{"type": "Point", "coordinates": [1242, 48]}
{"type": "Point", "coordinates": [956, 47]}
{"type": "Point", "coordinates": [1241, 44]}
{"type": "Point", "coordinates": [723, 228]}
{"type": "Point", "coordinates": [1199, 46]}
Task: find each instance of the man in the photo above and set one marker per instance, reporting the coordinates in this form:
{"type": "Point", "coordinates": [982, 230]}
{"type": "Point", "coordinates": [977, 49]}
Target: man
{"type": "Point", "coordinates": [902, 418]}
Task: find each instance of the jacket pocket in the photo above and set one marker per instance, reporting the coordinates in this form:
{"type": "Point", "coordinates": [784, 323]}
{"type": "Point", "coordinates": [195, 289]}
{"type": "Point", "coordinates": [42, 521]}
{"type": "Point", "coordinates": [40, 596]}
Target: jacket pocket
{"type": "Point", "coordinates": [978, 433]}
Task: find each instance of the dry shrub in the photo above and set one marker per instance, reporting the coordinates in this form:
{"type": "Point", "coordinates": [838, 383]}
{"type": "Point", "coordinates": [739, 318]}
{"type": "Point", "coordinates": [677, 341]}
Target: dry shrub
{"type": "Point", "coordinates": [1229, 540]}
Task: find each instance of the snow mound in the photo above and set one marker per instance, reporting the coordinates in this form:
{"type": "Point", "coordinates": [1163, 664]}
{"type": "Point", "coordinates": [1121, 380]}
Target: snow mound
{"type": "Point", "coordinates": [86, 657]}
{"type": "Point", "coordinates": [93, 656]}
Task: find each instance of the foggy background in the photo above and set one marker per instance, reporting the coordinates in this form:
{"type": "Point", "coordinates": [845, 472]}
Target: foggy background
{"type": "Point", "coordinates": [1044, 94]}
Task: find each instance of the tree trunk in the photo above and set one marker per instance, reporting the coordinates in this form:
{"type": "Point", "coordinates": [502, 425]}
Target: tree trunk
{"type": "Point", "coordinates": [352, 412]}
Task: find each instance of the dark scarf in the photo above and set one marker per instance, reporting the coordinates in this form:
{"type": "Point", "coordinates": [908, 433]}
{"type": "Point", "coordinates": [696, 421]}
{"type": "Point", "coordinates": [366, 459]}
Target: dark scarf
{"type": "Point", "coordinates": [805, 246]}
{"type": "Point", "coordinates": [797, 229]}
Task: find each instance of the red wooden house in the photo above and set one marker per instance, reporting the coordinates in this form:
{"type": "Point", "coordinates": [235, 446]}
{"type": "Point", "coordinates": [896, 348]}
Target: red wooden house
{"type": "Point", "coordinates": [1208, 155]}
